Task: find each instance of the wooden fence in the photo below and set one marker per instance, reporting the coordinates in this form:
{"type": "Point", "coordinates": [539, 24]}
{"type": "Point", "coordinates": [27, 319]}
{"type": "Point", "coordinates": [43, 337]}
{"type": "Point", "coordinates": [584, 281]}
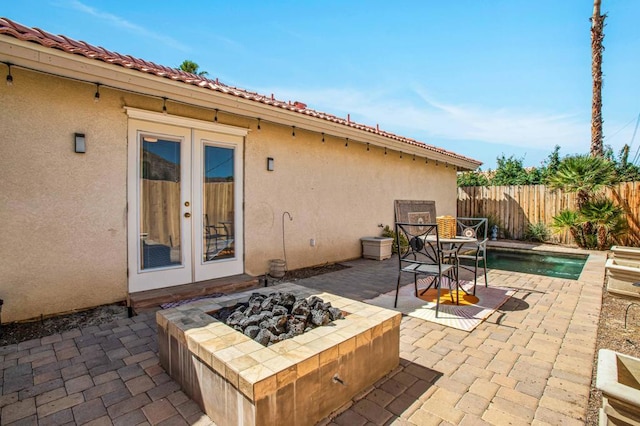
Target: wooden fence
{"type": "Point", "coordinates": [515, 207]}
{"type": "Point", "coordinates": [161, 218]}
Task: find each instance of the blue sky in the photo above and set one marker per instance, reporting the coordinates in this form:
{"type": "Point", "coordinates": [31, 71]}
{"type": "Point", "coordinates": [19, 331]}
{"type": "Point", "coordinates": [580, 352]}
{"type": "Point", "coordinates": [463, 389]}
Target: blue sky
{"type": "Point", "coordinates": [481, 78]}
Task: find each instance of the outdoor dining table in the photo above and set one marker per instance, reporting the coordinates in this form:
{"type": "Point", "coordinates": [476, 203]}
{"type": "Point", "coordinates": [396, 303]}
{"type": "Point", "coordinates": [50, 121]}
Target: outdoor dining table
{"type": "Point", "coordinates": [455, 244]}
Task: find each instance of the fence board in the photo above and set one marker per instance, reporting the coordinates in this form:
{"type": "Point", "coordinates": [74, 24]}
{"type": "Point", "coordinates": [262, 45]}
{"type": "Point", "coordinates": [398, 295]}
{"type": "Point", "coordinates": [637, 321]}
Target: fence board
{"type": "Point", "coordinates": [515, 207]}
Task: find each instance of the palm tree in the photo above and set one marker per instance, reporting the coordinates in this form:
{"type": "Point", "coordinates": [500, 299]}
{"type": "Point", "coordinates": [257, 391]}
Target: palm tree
{"type": "Point", "coordinates": [597, 35]}
{"type": "Point", "coordinates": [192, 67]}
{"type": "Point", "coordinates": [584, 175]}
{"type": "Point", "coordinates": [570, 220]}
{"type": "Point", "coordinates": [607, 218]}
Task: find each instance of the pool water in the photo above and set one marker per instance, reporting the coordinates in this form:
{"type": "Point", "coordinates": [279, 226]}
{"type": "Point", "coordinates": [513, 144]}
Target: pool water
{"type": "Point", "coordinates": [559, 265]}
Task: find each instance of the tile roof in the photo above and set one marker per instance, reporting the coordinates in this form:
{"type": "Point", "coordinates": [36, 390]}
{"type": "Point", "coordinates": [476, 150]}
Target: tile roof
{"type": "Point", "coordinates": [66, 44]}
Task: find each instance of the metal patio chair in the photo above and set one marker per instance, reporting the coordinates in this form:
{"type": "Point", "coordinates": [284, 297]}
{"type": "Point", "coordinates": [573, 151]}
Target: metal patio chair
{"type": "Point", "coordinates": [420, 254]}
{"type": "Point", "coordinates": [215, 237]}
{"type": "Point", "coordinates": [474, 227]}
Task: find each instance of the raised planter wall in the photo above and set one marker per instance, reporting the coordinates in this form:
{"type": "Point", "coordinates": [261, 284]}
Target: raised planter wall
{"type": "Point", "coordinates": [621, 276]}
{"type": "Point", "coordinates": [626, 253]}
{"type": "Point", "coordinates": [618, 377]}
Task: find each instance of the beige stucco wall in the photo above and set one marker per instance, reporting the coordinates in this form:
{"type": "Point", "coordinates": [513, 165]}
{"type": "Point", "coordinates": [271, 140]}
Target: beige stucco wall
{"type": "Point", "coordinates": [336, 195]}
{"type": "Point", "coordinates": [63, 215]}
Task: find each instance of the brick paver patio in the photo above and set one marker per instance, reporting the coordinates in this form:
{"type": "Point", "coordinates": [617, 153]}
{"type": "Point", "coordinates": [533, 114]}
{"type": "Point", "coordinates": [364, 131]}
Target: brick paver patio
{"type": "Point", "coordinates": [529, 363]}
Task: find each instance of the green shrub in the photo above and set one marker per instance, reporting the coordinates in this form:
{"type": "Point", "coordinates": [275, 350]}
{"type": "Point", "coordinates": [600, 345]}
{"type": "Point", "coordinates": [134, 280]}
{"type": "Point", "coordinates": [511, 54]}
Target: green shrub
{"type": "Point", "coordinates": [390, 233]}
{"type": "Point", "coordinates": [537, 232]}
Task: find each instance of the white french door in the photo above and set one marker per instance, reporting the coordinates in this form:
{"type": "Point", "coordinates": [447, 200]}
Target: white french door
{"type": "Point", "coordinates": [185, 200]}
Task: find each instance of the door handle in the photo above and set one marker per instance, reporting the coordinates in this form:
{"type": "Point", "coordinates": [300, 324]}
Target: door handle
{"type": "Point", "coordinates": [187, 214]}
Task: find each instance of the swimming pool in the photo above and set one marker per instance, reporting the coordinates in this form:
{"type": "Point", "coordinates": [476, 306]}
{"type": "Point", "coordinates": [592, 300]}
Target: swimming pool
{"type": "Point", "coordinates": [549, 264]}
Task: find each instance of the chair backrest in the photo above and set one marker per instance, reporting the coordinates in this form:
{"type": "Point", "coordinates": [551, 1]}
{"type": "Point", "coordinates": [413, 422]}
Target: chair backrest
{"type": "Point", "coordinates": [475, 227]}
{"type": "Point", "coordinates": [418, 243]}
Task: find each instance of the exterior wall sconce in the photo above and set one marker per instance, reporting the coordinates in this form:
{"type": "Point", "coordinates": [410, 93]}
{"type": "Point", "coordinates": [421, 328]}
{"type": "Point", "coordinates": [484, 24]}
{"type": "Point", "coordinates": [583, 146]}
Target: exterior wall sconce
{"type": "Point", "coordinates": [270, 166]}
{"type": "Point", "coordinates": [80, 143]}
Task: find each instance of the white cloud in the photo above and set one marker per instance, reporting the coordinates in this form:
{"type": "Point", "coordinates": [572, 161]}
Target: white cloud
{"type": "Point", "coordinates": [423, 117]}
{"type": "Point", "coordinates": [122, 23]}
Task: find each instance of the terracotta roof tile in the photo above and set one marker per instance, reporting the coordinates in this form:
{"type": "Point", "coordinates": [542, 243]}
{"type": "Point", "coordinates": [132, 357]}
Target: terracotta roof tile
{"type": "Point", "coordinates": [66, 44]}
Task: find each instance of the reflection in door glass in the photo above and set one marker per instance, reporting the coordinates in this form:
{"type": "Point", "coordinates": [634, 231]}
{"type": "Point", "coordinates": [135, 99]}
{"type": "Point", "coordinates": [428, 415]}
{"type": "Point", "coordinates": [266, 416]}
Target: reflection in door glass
{"type": "Point", "coordinates": [218, 203]}
{"type": "Point", "coordinates": [160, 222]}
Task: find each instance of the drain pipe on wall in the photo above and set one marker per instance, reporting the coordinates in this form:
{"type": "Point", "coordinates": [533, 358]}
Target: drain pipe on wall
{"type": "Point", "coordinates": [284, 250]}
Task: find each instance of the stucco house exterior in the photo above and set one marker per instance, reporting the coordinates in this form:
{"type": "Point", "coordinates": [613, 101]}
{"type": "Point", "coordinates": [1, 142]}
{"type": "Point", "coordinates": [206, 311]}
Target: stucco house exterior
{"type": "Point", "coordinates": [120, 175]}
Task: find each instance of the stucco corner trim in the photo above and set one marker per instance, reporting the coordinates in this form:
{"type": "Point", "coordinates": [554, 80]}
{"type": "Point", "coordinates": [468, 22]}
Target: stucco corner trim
{"type": "Point", "coordinates": [176, 120]}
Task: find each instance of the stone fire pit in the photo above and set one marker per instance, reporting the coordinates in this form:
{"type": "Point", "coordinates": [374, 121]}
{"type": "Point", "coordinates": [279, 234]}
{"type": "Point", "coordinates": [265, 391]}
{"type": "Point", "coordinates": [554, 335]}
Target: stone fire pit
{"type": "Point", "coordinates": [301, 380]}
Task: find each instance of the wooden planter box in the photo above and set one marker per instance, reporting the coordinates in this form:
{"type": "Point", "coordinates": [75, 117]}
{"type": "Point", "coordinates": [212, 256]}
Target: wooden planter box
{"type": "Point", "coordinates": [377, 248]}
{"type": "Point", "coordinates": [618, 378]}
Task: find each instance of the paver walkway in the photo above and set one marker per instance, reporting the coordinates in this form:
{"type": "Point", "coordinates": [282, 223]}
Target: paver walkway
{"type": "Point", "coordinates": [529, 363]}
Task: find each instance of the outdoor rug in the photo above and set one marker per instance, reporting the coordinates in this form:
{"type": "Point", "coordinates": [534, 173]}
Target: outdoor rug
{"type": "Point", "coordinates": [466, 316]}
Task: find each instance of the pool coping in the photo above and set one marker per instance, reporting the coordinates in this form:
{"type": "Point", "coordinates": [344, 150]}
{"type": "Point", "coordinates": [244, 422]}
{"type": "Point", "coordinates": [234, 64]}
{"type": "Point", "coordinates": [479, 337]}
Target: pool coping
{"type": "Point", "coordinates": [595, 260]}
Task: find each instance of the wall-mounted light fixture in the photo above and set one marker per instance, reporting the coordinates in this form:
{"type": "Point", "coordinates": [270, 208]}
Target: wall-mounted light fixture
{"type": "Point", "coordinates": [96, 97]}
{"type": "Point", "coordinates": [9, 76]}
{"type": "Point", "coordinates": [346, 144]}
{"type": "Point", "coordinates": [270, 165]}
{"type": "Point", "coordinates": [293, 131]}
{"type": "Point", "coordinates": [164, 105]}
{"type": "Point", "coordinates": [215, 117]}
{"type": "Point", "coordinates": [367, 146]}
{"type": "Point", "coordinates": [322, 137]}
{"type": "Point", "coordinates": [80, 143]}
{"type": "Point", "coordinates": [258, 124]}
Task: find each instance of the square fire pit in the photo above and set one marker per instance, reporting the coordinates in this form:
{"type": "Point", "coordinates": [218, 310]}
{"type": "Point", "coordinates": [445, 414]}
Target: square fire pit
{"type": "Point", "coordinates": [302, 380]}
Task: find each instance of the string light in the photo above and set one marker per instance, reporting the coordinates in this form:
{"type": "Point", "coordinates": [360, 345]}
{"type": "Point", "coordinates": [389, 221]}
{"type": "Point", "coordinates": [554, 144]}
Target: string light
{"type": "Point", "coordinates": [293, 131]}
{"type": "Point", "coordinates": [9, 76]}
{"type": "Point", "coordinates": [97, 95]}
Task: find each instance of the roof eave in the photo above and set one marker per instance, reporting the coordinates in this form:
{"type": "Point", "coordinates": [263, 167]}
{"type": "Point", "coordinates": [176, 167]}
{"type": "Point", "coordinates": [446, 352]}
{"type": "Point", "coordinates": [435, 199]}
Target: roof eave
{"type": "Point", "coordinates": [49, 60]}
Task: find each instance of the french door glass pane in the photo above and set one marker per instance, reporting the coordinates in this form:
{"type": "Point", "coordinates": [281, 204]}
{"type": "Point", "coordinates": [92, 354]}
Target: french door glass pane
{"type": "Point", "coordinates": [218, 203]}
{"type": "Point", "coordinates": [160, 221]}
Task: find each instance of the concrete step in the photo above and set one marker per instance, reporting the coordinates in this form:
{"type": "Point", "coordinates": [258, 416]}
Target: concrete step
{"type": "Point", "coordinates": [142, 301]}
